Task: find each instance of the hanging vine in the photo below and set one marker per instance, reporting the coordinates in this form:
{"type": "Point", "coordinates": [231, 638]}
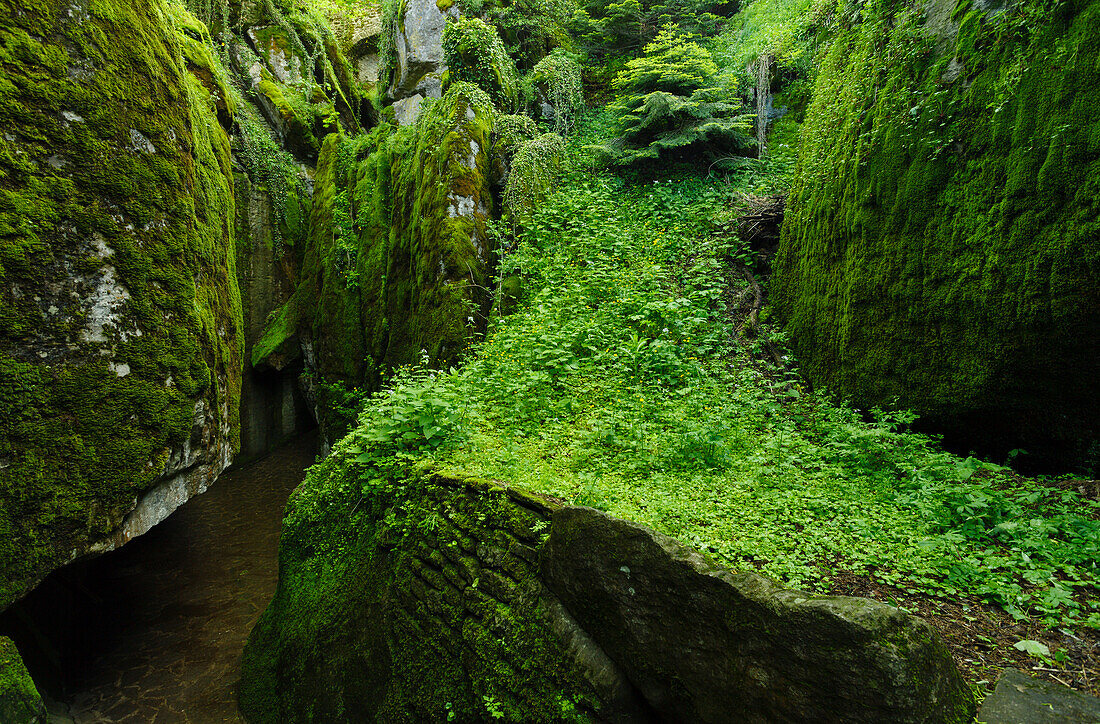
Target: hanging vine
{"type": "Point", "coordinates": [558, 78]}
{"type": "Point", "coordinates": [532, 174]}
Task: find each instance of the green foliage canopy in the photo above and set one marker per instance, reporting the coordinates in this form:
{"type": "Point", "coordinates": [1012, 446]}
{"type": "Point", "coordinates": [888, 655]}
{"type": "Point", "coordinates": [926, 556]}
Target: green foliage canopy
{"type": "Point", "coordinates": [607, 28]}
{"type": "Point", "coordinates": [475, 54]}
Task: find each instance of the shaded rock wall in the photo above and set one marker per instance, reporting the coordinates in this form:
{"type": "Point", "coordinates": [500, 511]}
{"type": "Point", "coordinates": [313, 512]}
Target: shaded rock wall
{"type": "Point", "coordinates": [20, 702]}
{"type": "Point", "coordinates": [398, 259]}
{"type": "Point", "coordinates": [940, 242]}
{"type": "Point", "coordinates": [429, 597]}
{"type": "Point", "coordinates": [272, 404]}
{"type": "Point", "coordinates": [120, 335]}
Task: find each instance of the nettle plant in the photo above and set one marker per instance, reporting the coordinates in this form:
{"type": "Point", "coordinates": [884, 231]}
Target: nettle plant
{"type": "Point", "coordinates": [413, 415]}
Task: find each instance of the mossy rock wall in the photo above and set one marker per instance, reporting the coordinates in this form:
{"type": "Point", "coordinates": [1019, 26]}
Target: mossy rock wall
{"type": "Point", "coordinates": [272, 405]}
{"type": "Point", "coordinates": [941, 244]}
{"type": "Point", "coordinates": [120, 317]}
{"type": "Point", "coordinates": [416, 596]}
{"type": "Point", "coordinates": [20, 702]}
{"type": "Point", "coordinates": [287, 56]}
{"type": "Point", "coordinates": [425, 264]}
{"type": "Point", "coordinates": [410, 609]}
{"type": "Point", "coordinates": [397, 259]}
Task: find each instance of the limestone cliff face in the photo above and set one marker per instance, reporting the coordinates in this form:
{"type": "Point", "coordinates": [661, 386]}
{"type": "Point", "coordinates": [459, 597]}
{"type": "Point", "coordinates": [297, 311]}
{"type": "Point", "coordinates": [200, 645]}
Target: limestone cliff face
{"type": "Point", "coordinates": [272, 404]}
{"type": "Point", "coordinates": [120, 335]}
{"type": "Point", "coordinates": [941, 239]}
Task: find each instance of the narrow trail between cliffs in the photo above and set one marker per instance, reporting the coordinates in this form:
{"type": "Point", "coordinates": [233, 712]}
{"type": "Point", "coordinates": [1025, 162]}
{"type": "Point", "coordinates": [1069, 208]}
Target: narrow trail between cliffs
{"type": "Point", "coordinates": [175, 607]}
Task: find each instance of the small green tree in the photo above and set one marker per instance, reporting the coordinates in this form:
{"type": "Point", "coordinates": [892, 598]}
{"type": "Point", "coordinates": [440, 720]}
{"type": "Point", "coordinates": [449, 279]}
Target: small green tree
{"type": "Point", "coordinates": [673, 99]}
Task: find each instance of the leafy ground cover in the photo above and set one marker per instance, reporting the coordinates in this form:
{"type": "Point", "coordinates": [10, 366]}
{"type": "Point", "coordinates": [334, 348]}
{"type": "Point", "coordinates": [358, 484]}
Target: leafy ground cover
{"type": "Point", "coordinates": [621, 382]}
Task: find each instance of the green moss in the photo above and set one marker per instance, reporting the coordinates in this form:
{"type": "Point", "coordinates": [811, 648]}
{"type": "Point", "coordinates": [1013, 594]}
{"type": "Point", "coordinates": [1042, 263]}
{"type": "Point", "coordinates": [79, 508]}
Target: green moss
{"type": "Point", "coordinates": [393, 16]}
{"type": "Point", "coordinates": [939, 244]}
{"type": "Point", "coordinates": [278, 335]}
{"type": "Point", "coordinates": [298, 135]}
{"type": "Point", "coordinates": [332, 314]}
{"type": "Point", "coordinates": [413, 606]}
{"type": "Point", "coordinates": [510, 131]}
{"type": "Point", "coordinates": [20, 702]}
{"type": "Point", "coordinates": [435, 260]}
{"type": "Point", "coordinates": [198, 50]}
{"type": "Point", "coordinates": [397, 259]}
{"type": "Point", "coordinates": [112, 163]}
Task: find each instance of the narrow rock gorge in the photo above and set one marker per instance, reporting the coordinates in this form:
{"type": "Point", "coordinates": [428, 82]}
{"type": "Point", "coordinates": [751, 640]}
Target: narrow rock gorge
{"type": "Point", "coordinates": [632, 333]}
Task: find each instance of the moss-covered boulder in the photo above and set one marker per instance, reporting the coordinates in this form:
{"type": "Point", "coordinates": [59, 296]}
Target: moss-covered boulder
{"type": "Point", "coordinates": [941, 243]}
{"type": "Point", "coordinates": [120, 346]}
{"type": "Point", "coordinates": [422, 605]}
{"type": "Point", "coordinates": [705, 644]}
{"type": "Point", "coordinates": [412, 596]}
{"type": "Point", "coordinates": [425, 263]}
{"type": "Point", "coordinates": [20, 702]}
{"type": "Point", "coordinates": [397, 262]}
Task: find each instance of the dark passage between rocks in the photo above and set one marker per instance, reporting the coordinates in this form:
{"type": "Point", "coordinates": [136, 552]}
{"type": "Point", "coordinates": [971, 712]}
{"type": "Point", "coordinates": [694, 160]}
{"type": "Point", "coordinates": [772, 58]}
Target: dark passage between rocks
{"type": "Point", "coordinates": [153, 632]}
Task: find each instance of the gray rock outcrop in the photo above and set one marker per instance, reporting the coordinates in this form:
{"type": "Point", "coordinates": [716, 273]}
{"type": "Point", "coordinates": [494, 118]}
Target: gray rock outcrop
{"type": "Point", "coordinates": [1021, 699]}
{"type": "Point", "coordinates": [705, 644]}
{"type": "Point", "coordinates": [420, 66]}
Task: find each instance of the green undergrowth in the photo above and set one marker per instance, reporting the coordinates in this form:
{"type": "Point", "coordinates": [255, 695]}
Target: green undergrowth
{"type": "Point", "coordinates": [619, 384]}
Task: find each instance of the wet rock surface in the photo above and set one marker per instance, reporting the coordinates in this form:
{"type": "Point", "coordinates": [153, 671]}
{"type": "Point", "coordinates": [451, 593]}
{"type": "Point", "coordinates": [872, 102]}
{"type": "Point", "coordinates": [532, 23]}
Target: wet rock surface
{"type": "Point", "coordinates": [170, 612]}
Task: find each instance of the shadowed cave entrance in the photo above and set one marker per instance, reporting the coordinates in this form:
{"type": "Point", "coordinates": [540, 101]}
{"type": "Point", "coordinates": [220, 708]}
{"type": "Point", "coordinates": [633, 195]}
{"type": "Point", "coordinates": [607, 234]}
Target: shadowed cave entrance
{"type": "Point", "coordinates": [154, 631]}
